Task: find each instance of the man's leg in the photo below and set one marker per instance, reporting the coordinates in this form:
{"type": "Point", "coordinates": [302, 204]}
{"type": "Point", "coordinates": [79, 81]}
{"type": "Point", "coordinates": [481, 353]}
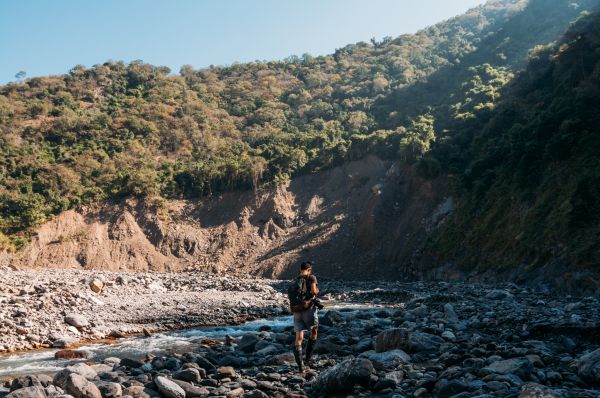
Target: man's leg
{"type": "Point", "coordinates": [298, 350]}
{"type": "Point", "coordinates": [311, 342]}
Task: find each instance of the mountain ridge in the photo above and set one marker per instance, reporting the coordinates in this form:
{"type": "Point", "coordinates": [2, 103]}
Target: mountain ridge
{"type": "Point", "coordinates": [253, 130]}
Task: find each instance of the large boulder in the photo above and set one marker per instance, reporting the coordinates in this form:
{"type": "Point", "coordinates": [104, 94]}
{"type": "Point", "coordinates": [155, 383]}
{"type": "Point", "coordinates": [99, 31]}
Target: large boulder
{"type": "Point", "coordinates": [248, 342]}
{"type": "Point", "coordinates": [200, 361]}
{"type": "Point", "coordinates": [79, 387]}
{"type": "Point", "coordinates": [109, 389]}
{"type": "Point", "coordinates": [28, 392]}
{"type": "Point", "coordinates": [418, 342]}
{"type": "Point", "coordinates": [398, 338]}
{"type": "Point", "coordinates": [140, 392]}
{"type": "Point", "coordinates": [226, 372]}
{"type": "Point", "coordinates": [77, 320]}
{"type": "Point", "coordinates": [189, 375]}
{"type": "Point", "coordinates": [534, 390]}
{"type": "Point", "coordinates": [447, 388]}
{"type": "Point", "coordinates": [386, 360]}
{"type": "Point", "coordinates": [450, 315]}
{"type": "Point", "coordinates": [24, 381]}
{"type": "Point", "coordinates": [60, 378]}
{"type": "Point", "coordinates": [344, 376]}
{"type": "Point", "coordinates": [192, 391]}
{"type": "Point", "coordinates": [391, 339]}
{"type": "Point", "coordinates": [588, 367]}
{"type": "Point", "coordinates": [518, 366]}
{"type": "Point", "coordinates": [169, 388]}
{"type": "Point", "coordinates": [331, 318]}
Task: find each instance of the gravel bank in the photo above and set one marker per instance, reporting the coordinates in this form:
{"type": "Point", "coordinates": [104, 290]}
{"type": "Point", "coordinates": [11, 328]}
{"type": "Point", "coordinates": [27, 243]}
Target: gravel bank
{"type": "Point", "coordinates": [58, 308]}
{"type": "Point", "coordinates": [435, 340]}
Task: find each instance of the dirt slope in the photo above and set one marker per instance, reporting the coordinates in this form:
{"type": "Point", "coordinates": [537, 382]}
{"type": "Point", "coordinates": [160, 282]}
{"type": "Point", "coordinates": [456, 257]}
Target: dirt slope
{"type": "Point", "coordinates": [367, 217]}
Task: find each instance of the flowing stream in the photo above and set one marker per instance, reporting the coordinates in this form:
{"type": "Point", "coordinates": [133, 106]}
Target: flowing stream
{"type": "Point", "coordinates": [43, 361]}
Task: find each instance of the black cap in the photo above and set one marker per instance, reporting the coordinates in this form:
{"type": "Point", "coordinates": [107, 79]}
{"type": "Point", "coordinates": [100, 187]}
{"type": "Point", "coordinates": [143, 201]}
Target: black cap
{"type": "Point", "coordinates": [305, 265]}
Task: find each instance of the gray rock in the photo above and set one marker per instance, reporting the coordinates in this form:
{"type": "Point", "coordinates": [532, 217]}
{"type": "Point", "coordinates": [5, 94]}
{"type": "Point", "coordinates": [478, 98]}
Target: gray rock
{"type": "Point", "coordinates": [419, 341]}
{"type": "Point", "coordinates": [255, 394]}
{"type": "Point", "coordinates": [226, 371]}
{"type": "Point", "coordinates": [534, 390]}
{"type": "Point", "coordinates": [588, 367]}
{"type": "Point", "coordinates": [268, 350]}
{"type": "Point", "coordinates": [450, 315]}
{"type": "Point", "coordinates": [53, 391]}
{"type": "Point", "coordinates": [77, 320]}
{"type": "Point", "coordinates": [28, 392]}
{"type": "Point", "coordinates": [391, 339]}
{"type": "Point", "coordinates": [331, 318]}
{"type": "Point", "coordinates": [102, 368]}
{"type": "Point", "coordinates": [109, 390]}
{"type": "Point", "coordinates": [192, 391]}
{"type": "Point", "coordinates": [189, 375]}
{"type": "Point", "coordinates": [247, 342]}
{"type": "Point", "coordinates": [173, 364]}
{"type": "Point", "coordinates": [60, 378]}
{"type": "Point", "coordinates": [397, 376]}
{"type": "Point", "coordinates": [382, 384]}
{"type": "Point", "coordinates": [79, 387]}
{"type": "Point", "coordinates": [140, 392]}
{"type": "Point", "coordinates": [113, 361]}
{"type": "Point", "coordinates": [448, 388]}
{"type": "Point", "coordinates": [205, 363]}
{"type": "Point", "coordinates": [109, 376]}
{"type": "Point", "coordinates": [235, 393]}
{"type": "Point", "coordinates": [24, 381]}
{"type": "Point", "coordinates": [131, 363]}
{"type": "Point", "coordinates": [387, 359]}
{"type": "Point", "coordinates": [448, 335]}
{"type": "Point", "coordinates": [64, 342]}
{"type": "Point", "coordinates": [518, 366]}
{"type": "Point", "coordinates": [168, 388]}
{"type": "Point", "coordinates": [498, 295]}
{"type": "Point", "coordinates": [344, 376]}
{"type": "Point", "coordinates": [408, 341]}
{"type": "Point", "coordinates": [421, 310]}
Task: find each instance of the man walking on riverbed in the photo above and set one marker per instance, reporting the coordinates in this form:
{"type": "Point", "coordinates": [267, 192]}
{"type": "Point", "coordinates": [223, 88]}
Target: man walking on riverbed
{"type": "Point", "coordinates": [303, 304]}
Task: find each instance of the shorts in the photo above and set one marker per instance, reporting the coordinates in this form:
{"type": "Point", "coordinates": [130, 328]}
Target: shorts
{"type": "Point", "coordinates": [306, 320]}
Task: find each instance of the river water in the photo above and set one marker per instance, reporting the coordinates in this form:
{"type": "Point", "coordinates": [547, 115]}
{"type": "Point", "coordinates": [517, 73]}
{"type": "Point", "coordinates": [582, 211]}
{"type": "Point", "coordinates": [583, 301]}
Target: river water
{"type": "Point", "coordinates": [43, 361]}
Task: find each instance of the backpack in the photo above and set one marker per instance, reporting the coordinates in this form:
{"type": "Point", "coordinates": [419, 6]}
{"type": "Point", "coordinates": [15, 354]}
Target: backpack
{"type": "Point", "coordinates": [297, 295]}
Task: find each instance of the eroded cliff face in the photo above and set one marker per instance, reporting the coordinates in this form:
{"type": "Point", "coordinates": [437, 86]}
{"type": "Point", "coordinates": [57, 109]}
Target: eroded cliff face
{"type": "Point", "coordinates": [366, 219]}
{"type": "Point", "coordinates": [369, 219]}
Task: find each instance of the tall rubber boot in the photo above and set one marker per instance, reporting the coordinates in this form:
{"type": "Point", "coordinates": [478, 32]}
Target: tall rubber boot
{"type": "Point", "coordinates": [309, 349]}
{"type": "Point", "coordinates": [298, 357]}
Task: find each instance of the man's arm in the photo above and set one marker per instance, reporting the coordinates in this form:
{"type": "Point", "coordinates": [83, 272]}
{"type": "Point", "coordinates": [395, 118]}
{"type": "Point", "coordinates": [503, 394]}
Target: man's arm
{"type": "Point", "coordinates": [314, 289]}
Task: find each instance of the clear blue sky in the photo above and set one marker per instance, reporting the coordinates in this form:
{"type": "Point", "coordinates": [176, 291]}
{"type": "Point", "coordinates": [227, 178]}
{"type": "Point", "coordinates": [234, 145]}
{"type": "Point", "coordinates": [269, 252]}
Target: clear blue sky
{"type": "Point", "coordinates": [45, 37]}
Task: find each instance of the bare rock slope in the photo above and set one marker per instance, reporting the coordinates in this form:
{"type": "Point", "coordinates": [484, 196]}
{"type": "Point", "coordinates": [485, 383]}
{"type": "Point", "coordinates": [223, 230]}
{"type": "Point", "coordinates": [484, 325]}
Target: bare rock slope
{"type": "Point", "coordinates": [348, 219]}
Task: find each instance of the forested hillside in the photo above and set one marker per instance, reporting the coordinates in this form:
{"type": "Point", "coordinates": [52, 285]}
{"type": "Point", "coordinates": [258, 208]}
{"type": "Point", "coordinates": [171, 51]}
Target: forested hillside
{"type": "Point", "coordinates": [119, 130]}
{"type": "Point", "coordinates": [531, 189]}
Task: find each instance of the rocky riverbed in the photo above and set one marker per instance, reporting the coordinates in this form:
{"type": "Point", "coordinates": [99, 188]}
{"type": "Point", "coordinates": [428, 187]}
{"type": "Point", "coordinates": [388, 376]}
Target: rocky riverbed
{"type": "Point", "coordinates": [425, 340]}
{"type": "Point", "coordinates": [59, 308]}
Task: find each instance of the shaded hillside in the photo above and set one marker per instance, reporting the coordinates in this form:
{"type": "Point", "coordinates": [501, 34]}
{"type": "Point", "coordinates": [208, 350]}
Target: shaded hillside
{"type": "Point", "coordinates": [530, 193]}
{"type": "Point", "coordinates": [116, 130]}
